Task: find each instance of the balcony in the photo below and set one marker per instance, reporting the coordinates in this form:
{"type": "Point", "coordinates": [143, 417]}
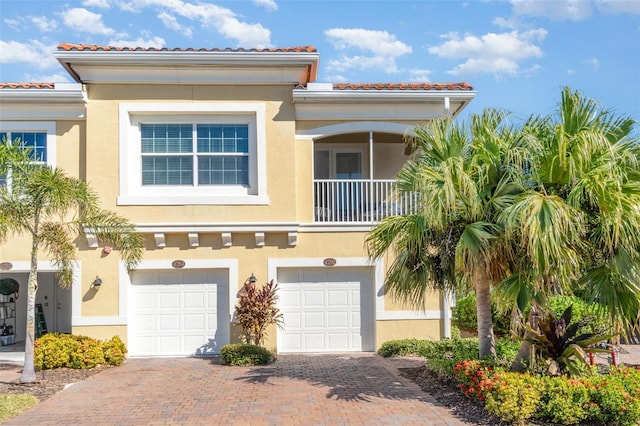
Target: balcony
{"type": "Point", "coordinates": [358, 200]}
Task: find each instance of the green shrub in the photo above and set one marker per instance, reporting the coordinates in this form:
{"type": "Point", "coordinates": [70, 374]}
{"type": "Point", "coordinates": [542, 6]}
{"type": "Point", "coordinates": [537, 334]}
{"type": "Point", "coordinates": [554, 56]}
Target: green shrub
{"type": "Point", "coordinates": [465, 316]}
{"type": "Point", "coordinates": [616, 397]}
{"type": "Point", "coordinates": [245, 354]}
{"type": "Point", "coordinates": [54, 350]}
{"type": "Point", "coordinates": [564, 401]}
{"type": "Point", "coordinates": [89, 355]}
{"type": "Point", "coordinates": [513, 397]}
{"type": "Point", "coordinates": [403, 347]}
{"type": "Point", "coordinates": [442, 356]}
{"type": "Point", "coordinates": [506, 350]}
{"type": "Point", "coordinates": [114, 351]}
{"type": "Point", "coordinates": [581, 310]}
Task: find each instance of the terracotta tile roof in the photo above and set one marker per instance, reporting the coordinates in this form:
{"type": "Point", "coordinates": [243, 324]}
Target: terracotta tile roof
{"type": "Point", "coordinates": [92, 47]}
{"type": "Point", "coordinates": [403, 86]}
{"type": "Point", "coordinates": [27, 86]}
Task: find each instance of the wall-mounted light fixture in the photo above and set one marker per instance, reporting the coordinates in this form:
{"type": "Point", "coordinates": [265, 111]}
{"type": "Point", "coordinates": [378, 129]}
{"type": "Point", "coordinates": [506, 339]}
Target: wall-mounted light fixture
{"type": "Point", "coordinates": [252, 279]}
{"type": "Point", "coordinates": [97, 282]}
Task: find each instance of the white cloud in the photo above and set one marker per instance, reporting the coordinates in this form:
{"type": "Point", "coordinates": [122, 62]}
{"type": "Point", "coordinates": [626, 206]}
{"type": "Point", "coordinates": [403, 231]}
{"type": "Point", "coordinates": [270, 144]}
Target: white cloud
{"type": "Point", "coordinates": [619, 6]}
{"type": "Point", "coordinates": [571, 71]}
{"type": "Point", "coordinates": [172, 23]}
{"type": "Point", "coordinates": [34, 53]}
{"type": "Point", "coordinates": [14, 24]}
{"type": "Point", "coordinates": [44, 24]}
{"type": "Point", "coordinates": [157, 42]}
{"type": "Point", "coordinates": [82, 20]}
{"type": "Point", "coordinates": [382, 48]}
{"type": "Point", "coordinates": [267, 4]}
{"type": "Point", "coordinates": [378, 42]}
{"type": "Point", "coordinates": [102, 4]}
{"type": "Point", "coordinates": [419, 75]}
{"type": "Point", "coordinates": [557, 10]}
{"type": "Point", "coordinates": [222, 20]}
{"type": "Point", "coordinates": [491, 53]}
{"type": "Point", "coordinates": [593, 62]}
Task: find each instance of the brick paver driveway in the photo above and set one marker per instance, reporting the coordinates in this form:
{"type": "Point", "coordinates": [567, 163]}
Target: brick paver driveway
{"type": "Point", "coordinates": [327, 389]}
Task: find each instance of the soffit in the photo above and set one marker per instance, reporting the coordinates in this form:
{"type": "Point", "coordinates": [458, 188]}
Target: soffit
{"type": "Point", "coordinates": [108, 64]}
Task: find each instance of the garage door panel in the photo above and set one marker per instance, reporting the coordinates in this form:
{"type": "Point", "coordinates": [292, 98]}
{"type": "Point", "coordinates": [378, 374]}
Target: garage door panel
{"type": "Point", "coordinates": [313, 298]}
{"type": "Point", "coordinates": [294, 320]}
{"type": "Point", "coordinates": [314, 342]}
{"type": "Point", "coordinates": [338, 341]}
{"type": "Point", "coordinates": [194, 300]}
{"type": "Point", "coordinates": [338, 298]}
{"type": "Point", "coordinates": [169, 323]}
{"type": "Point", "coordinates": [168, 300]}
{"type": "Point", "coordinates": [193, 322]}
{"type": "Point", "coordinates": [179, 312]}
{"type": "Point", "coordinates": [313, 320]}
{"type": "Point", "coordinates": [334, 304]}
{"type": "Point", "coordinates": [289, 297]}
{"type": "Point", "coordinates": [338, 320]}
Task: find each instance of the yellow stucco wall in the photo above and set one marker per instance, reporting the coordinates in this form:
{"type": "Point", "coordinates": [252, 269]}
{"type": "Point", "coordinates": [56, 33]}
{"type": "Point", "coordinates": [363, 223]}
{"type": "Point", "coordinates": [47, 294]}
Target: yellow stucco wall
{"type": "Point", "coordinates": [90, 150]}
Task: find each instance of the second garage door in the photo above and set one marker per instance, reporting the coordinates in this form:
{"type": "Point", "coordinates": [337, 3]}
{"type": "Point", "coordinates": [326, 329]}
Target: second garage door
{"type": "Point", "coordinates": [179, 312]}
{"type": "Point", "coordinates": [326, 310]}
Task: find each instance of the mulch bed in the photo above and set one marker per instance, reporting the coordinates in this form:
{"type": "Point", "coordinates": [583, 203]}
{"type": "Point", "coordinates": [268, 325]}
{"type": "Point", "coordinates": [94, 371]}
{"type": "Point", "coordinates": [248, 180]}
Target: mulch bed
{"type": "Point", "coordinates": [447, 392]}
{"type": "Point", "coordinates": [49, 382]}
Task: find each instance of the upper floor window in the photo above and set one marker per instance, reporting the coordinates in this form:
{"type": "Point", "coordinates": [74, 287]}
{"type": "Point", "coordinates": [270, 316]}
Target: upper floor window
{"type": "Point", "coordinates": [179, 153]}
{"type": "Point", "coordinates": [195, 155]}
{"type": "Point", "coordinates": [39, 137]}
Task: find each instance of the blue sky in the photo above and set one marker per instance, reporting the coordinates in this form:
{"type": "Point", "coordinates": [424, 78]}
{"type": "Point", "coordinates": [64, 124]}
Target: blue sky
{"type": "Point", "coordinates": [517, 54]}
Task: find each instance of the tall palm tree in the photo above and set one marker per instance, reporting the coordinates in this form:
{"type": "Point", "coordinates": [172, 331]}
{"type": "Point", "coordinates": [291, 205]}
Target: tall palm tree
{"type": "Point", "coordinates": [52, 209]}
{"type": "Point", "coordinates": [579, 222]}
{"type": "Point", "coordinates": [463, 176]}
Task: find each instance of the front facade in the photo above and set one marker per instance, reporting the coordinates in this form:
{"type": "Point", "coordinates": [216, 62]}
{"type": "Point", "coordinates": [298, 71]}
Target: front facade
{"type": "Point", "coordinates": [230, 163]}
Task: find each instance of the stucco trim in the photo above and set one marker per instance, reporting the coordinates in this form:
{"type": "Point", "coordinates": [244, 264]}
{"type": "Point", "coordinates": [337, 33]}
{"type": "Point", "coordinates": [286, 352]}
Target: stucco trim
{"type": "Point", "coordinates": [133, 193]}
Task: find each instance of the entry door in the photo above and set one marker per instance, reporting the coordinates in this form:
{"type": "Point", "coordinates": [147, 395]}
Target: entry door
{"type": "Point", "coordinates": [334, 164]}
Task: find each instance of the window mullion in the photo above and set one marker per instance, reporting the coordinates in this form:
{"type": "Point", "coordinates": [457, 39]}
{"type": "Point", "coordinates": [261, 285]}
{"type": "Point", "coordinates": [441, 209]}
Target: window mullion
{"type": "Point", "coordinates": [194, 151]}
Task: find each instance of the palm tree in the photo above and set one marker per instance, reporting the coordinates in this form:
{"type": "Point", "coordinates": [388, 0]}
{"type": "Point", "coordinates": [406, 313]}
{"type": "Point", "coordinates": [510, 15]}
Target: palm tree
{"type": "Point", "coordinates": [52, 208]}
{"type": "Point", "coordinates": [463, 176]}
{"type": "Point", "coordinates": [579, 222]}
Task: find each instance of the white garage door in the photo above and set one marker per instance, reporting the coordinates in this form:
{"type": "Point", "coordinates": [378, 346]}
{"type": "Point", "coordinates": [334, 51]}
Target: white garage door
{"type": "Point", "coordinates": [179, 312]}
{"type": "Point", "coordinates": [326, 310]}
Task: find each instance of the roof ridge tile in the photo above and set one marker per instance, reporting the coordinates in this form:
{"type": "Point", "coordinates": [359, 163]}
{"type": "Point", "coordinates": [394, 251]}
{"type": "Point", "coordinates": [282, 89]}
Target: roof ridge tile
{"type": "Point", "coordinates": [94, 47]}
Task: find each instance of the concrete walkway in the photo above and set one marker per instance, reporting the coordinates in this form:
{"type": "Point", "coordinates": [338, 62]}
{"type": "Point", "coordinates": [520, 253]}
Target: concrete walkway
{"type": "Point", "coordinates": [326, 389]}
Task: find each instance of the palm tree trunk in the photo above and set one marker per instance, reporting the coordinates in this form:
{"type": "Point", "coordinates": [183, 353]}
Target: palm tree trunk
{"type": "Point", "coordinates": [28, 371]}
{"type": "Point", "coordinates": [486, 339]}
{"type": "Point", "coordinates": [524, 357]}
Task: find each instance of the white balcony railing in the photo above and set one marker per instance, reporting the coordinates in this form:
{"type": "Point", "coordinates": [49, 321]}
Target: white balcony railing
{"type": "Point", "coordinates": [358, 200]}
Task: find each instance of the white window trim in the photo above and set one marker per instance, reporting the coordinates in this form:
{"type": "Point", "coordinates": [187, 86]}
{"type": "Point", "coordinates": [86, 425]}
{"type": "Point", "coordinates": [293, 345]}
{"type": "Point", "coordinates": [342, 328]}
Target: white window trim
{"type": "Point", "coordinates": [133, 193]}
{"type": "Point", "coordinates": [35, 126]}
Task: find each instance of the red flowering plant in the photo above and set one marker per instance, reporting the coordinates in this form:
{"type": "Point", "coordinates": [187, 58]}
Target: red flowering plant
{"type": "Point", "coordinates": [475, 377]}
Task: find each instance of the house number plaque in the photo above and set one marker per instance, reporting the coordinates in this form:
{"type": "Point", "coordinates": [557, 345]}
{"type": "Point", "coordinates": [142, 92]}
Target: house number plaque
{"type": "Point", "coordinates": [6, 266]}
{"type": "Point", "coordinates": [178, 264]}
{"type": "Point", "coordinates": [329, 261]}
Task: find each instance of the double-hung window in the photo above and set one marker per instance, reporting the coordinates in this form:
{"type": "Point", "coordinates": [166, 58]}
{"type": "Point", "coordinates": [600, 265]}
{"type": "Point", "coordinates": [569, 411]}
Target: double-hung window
{"type": "Point", "coordinates": [210, 153]}
{"type": "Point", "coordinates": [195, 154]}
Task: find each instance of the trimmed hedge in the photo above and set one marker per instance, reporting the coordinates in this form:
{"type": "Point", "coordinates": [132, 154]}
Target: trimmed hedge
{"type": "Point", "coordinates": [442, 356]}
{"type": "Point", "coordinates": [55, 350]}
{"type": "Point", "coordinates": [245, 354]}
{"type": "Point", "coordinates": [609, 399]}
